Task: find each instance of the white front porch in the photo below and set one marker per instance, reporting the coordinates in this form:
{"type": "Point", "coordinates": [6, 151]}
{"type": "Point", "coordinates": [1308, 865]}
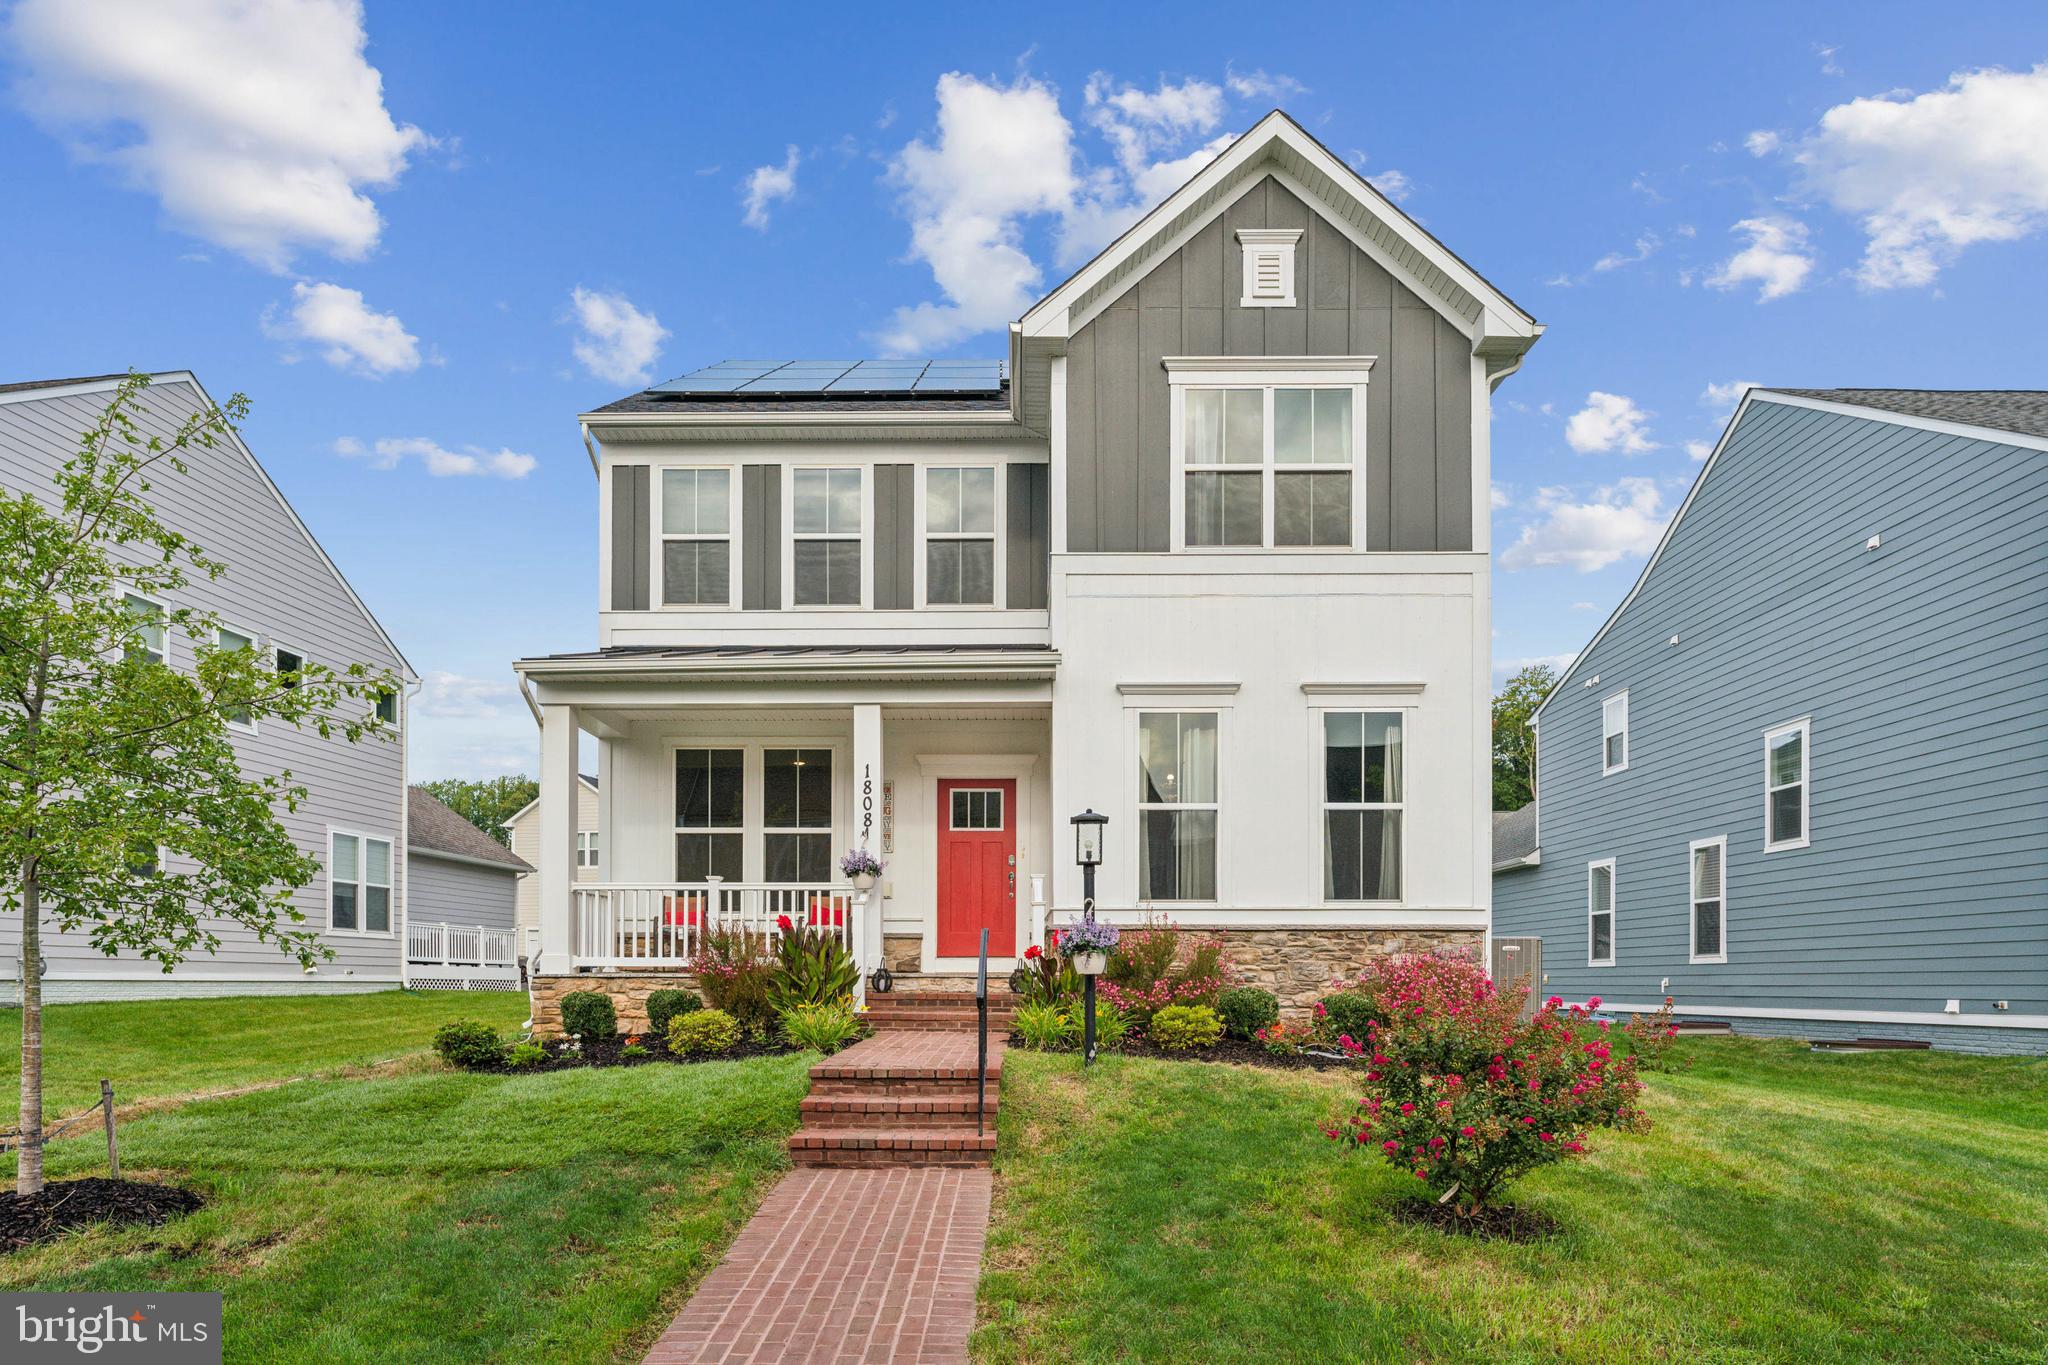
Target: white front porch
{"type": "Point", "coordinates": [726, 802]}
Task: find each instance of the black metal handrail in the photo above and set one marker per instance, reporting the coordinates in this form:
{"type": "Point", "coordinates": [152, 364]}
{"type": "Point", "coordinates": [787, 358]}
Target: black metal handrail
{"type": "Point", "coordinates": [981, 1044]}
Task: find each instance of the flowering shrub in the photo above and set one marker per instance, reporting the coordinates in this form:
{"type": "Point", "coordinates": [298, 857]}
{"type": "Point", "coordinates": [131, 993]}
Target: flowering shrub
{"type": "Point", "coordinates": [1284, 1040]}
{"type": "Point", "coordinates": [858, 862]}
{"type": "Point", "coordinates": [1346, 1013]}
{"type": "Point", "coordinates": [733, 969]}
{"type": "Point", "coordinates": [1469, 1097]}
{"type": "Point", "coordinates": [1650, 1036]}
{"type": "Point", "coordinates": [1158, 966]}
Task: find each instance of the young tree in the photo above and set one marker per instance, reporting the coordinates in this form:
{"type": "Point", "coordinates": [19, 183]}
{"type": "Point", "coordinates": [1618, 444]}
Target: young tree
{"type": "Point", "coordinates": [486, 803]}
{"type": "Point", "coordinates": [1514, 741]}
{"type": "Point", "coordinates": [123, 809]}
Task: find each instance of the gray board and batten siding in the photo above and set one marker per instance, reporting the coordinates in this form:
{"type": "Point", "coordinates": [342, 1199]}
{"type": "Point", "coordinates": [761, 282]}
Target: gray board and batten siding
{"type": "Point", "coordinates": [1418, 411]}
{"type": "Point", "coordinates": [280, 588]}
{"type": "Point", "coordinates": [1923, 666]}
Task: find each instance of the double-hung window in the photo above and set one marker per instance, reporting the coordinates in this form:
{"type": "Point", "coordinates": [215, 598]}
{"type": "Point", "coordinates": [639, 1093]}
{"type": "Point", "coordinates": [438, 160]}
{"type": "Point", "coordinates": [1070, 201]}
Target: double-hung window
{"type": "Point", "coordinates": [1600, 913]}
{"type": "Point", "coordinates": [586, 848]}
{"type": "Point", "coordinates": [359, 884]}
{"type": "Point", "coordinates": [796, 816]}
{"type": "Point", "coordinates": [148, 616]}
{"type": "Point", "coordinates": [229, 640]}
{"type": "Point", "coordinates": [960, 537]}
{"type": "Point", "coordinates": [1177, 805]}
{"type": "Point", "coordinates": [1709, 878]}
{"type": "Point", "coordinates": [1267, 465]}
{"type": "Point", "coordinates": [1614, 733]}
{"type": "Point", "coordinates": [1362, 761]}
{"type": "Point", "coordinates": [1786, 788]}
{"type": "Point", "coordinates": [710, 815]}
{"type": "Point", "coordinates": [825, 541]}
{"type": "Point", "coordinates": [696, 537]}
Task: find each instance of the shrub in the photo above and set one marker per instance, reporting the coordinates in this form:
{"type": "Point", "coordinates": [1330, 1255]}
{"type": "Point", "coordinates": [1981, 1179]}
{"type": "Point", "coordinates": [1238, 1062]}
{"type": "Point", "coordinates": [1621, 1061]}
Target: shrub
{"type": "Point", "coordinates": [1282, 1040]}
{"type": "Point", "coordinates": [1467, 1096]}
{"type": "Point", "coordinates": [588, 1016]}
{"type": "Point", "coordinates": [1045, 1028]}
{"type": "Point", "coordinates": [733, 969]}
{"type": "Point", "coordinates": [702, 1031]}
{"type": "Point", "coordinates": [1245, 1010]}
{"type": "Point", "coordinates": [1650, 1036]}
{"type": "Point", "coordinates": [825, 1028]}
{"type": "Point", "coordinates": [634, 1050]}
{"type": "Point", "coordinates": [1045, 978]}
{"type": "Point", "coordinates": [1159, 965]}
{"type": "Point", "coordinates": [1180, 1027]}
{"type": "Point", "coordinates": [526, 1053]}
{"type": "Point", "coordinates": [469, 1043]}
{"type": "Point", "coordinates": [663, 1006]}
{"type": "Point", "coordinates": [1346, 1014]}
{"type": "Point", "coordinates": [812, 967]}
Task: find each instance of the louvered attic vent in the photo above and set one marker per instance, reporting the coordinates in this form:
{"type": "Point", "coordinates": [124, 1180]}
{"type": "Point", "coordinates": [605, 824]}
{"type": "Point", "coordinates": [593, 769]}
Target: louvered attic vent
{"type": "Point", "coordinates": [1268, 266]}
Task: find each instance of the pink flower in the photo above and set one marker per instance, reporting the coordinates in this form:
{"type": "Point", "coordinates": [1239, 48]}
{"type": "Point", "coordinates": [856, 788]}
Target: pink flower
{"type": "Point", "coordinates": [1546, 1137]}
{"type": "Point", "coordinates": [1407, 1108]}
{"type": "Point", "coordinates": [1468, 1132]}
{"type": "Point", "coordinates": [1390, 1146]}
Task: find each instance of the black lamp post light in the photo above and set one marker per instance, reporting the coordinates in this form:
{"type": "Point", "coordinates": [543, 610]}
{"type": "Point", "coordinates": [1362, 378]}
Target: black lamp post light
{"type": "Point", "coordinates": [1087, 944]}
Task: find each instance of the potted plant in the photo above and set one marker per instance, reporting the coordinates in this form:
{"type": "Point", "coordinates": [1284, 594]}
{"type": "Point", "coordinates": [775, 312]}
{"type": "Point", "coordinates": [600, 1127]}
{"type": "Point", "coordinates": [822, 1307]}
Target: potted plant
{"type": "Point", "coordinates": [862, 866]}
{"type": "Point", "coordinates": [1087, 944]}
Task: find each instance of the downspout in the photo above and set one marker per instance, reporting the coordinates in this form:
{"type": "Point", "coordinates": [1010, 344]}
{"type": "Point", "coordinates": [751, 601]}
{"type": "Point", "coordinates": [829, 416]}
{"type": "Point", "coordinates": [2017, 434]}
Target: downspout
{"type": "Point", "coordinates": [527, 692]}
{"type": "Point", "coordinates": [589, 447]}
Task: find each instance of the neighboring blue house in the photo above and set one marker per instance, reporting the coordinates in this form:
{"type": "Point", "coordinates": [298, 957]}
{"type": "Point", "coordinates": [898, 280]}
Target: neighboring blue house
{"type": "Point", "coordinates": [1799, 780]}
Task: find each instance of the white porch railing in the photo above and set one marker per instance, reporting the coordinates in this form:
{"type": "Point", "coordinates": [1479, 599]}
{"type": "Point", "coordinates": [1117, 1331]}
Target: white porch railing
{"type": "Point", "coordinates": [461, 956]}
{"type": "Point", "coordinates": [664, 924]}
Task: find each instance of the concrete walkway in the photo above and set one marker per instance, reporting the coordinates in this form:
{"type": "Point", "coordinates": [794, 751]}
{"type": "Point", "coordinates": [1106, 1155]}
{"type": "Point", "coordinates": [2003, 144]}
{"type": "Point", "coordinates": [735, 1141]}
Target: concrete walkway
{"type": "Point", "coordinates": [844, 1265]}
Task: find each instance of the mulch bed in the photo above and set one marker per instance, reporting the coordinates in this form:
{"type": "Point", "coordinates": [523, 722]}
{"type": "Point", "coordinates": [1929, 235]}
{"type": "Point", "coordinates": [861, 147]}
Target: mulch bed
{"type": "Point", "coordinates": [1228, 1050]}
{"type": "Point", "coordinates": [57, 1208]}
{"type": "Point", "coordinates": [1498, 1223]}
{"type": "Point", "coordinates": [563, 1054]}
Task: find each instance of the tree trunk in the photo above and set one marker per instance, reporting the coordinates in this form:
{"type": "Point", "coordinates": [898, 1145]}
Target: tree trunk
{"type": "Point", "coordinates": [29, 1167]}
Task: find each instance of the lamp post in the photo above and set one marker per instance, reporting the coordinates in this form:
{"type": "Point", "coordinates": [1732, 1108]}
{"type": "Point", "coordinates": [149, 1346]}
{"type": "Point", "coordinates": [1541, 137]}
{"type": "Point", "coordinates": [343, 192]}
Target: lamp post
{"type": "Point", "coordinates": [1088, 832]}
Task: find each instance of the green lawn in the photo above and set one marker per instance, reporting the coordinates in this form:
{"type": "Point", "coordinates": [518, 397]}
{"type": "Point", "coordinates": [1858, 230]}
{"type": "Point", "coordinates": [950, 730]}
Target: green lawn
{"type": "Point", "coordinates": [1787, 1207]}
{"type": "Point", "coordinates": [151, 1048]}
{"type": "Point", "coordinates": [439, 1216]}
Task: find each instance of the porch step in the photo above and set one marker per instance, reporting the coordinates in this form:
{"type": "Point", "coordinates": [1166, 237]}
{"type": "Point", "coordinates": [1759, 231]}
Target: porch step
{"type": "Point", "coordinates": [891, 1147]}
{"type": "Point", "coordinates": [946, 1020]}
{"type": "Point", "coordinates": [896, 1112]}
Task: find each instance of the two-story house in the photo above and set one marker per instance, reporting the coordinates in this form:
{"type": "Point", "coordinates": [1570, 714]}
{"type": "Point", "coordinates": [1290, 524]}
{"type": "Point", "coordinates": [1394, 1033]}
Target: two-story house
{"type": "Point", "coordinates": [1798, 782]}
{"type": "Point", "coordinates": [283, 596]}
{"type": "Point", "coordinates": [1206, 553]}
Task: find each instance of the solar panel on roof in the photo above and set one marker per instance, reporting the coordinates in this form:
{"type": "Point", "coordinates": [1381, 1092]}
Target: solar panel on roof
{"type": "Point", "coordinates": [763, 378]}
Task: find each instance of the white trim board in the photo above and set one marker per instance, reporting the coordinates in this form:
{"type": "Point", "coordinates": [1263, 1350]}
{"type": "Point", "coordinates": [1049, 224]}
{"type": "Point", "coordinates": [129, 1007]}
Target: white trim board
{"type": "Point", "coordinates": [2039, 1021]}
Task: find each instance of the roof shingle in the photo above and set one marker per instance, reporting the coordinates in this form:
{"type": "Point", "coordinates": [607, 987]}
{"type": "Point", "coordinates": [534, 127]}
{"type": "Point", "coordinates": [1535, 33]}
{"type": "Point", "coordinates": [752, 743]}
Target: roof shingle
{"type": "Point", "coordinates": [2024, 411]}
{"type": "Point", "coordinates": [433, 828]}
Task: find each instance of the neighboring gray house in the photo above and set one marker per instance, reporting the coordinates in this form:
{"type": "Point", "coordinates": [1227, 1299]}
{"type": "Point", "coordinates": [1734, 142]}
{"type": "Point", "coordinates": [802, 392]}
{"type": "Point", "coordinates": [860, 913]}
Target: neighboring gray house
{"type": "Point", "coordinates": [464, 898]}
{"type": "Point", "coordinates": [1799, 780]}
{"type": "Point", "coordinates": [286, 597]}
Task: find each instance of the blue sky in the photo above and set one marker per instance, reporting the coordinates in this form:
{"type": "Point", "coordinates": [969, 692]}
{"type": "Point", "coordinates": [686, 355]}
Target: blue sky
{"type": "Point", "coordinates": [424, 237]}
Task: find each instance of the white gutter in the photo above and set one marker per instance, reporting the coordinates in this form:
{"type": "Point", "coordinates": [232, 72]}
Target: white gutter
{"type": "Point", "coordinates": [527, 692]}
{"type": "Point", "coordinates": [1032, 664]}
{"type": "Point", "coordinates": [895, 418]}
{"type": "Point", "coordinates": [589, 448]}
{"type": "Point", "coordinates": [465, 858]}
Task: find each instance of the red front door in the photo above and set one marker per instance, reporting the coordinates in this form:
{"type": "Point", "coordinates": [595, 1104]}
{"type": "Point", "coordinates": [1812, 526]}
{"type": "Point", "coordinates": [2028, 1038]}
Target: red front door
{"type": "Point", "coordinates": [977, 866]}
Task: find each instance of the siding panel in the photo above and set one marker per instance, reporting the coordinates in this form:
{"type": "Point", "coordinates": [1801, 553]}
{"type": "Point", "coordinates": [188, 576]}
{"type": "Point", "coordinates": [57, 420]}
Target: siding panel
{"type": "Point", "coordinates": [461, 893]}
{"type": "Point", "coordinates": [631, 535]}
{"type": "Point", "coordinates": [1027, 504]}
{"type": "Point", "coordinates": [761, 537]}
{"type": "Point", "coordinates": [895, 536]}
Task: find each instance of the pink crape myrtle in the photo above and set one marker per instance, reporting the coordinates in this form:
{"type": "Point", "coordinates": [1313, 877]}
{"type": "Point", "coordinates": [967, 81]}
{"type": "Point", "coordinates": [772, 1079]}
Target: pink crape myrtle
{"type": "Point", "coordinates": [1465, 1095]}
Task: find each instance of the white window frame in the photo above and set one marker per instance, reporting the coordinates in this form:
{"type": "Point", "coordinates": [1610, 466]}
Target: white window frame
{"type": "Point", "coordinates": [275, 646]}
{"type": "Point", "coordinates": [163, 651]}
{"type": "Point", "coordinates": [1251, 372]}
{"type": "Point", "coordinates": [1693, 900]}
{"type": "Point", "coordinates": [257, 647]}
{"type": "Point", "coordinates": [731, 537]}
{"type": "Point", "coordinates": [1607, 707]}
{"type": "Point", "coordinates": [363, 882]}
{"type": "Point", "coordinates": [747, 808]}
{"type": "Point", "coordinates": [790, 536]}
{"type": "Point", "coordinates": [1002, 810]}
{"type": "Point", "coordinates": [997, 537]}
{"type": "Point", "coordinates": [586, 848]}
{"type": "Point", "coordinates": [1321, 803]}
{"type": "Point", "coordinates": [1613, 912]}
{"type": "Point", "coordinates": [1804, 728]}
{"type": "Point", "coordinates": [1140, 806]}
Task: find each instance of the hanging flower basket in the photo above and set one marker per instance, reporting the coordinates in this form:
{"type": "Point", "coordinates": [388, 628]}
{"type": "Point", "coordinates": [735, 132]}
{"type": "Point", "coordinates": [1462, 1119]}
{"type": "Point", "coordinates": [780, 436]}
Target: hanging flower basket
{"type": "Point", "coordinates": [862, 866]}
{"type": "Point", "coordinates": [1087, 945]}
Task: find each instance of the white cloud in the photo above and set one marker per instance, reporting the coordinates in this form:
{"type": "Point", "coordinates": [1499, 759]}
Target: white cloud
{"type": "Point", "coordinates": [1646, 246]}
{"type": "Point", "coordinates": [1585, 606]}
{"type": "Point", "coordinates": [1622, 520]}
{"type": "Point", "coordinates": [1928, 175]}
{"type": "Point", "coordinates": [1722, 398]}
{"type": "Point", "coordinates": [1776, 259]}
{"type": "Point", "coordinates": [1609, 422]}
{"type": "Point", "coordinates": [1258, 85]}
{"type": "Point", "coordinates": [1497, 496]}
{"type": "Point", "coordinates": [456, 697]}
{"type": "Point", "coordinates": [1828, 65]}
{"type": "Point", "coordinates": [1762, 142]}
{"type": "Point", "coordinates": [350, 334]}
{"type": "Point", "coordinates": [1699, 450]}
{"type": "Point", "coordinates": [769, 185]}
{"type": "Point", "coordinates": [257, 124]}
{"type": "Point", "coordinates": [1394, 184]}
{"type": "Point", "coordinates": [441, 462]}
{"type": "Point", "coordinates": [619, 342]}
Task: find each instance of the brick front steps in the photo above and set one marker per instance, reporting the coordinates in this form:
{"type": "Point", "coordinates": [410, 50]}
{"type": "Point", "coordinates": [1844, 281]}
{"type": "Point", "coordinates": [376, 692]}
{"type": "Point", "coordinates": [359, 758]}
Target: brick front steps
{"type": "Point", "coordinates": [941, 1010]}
{"type": "Point", "coordinates": [905, 1097]}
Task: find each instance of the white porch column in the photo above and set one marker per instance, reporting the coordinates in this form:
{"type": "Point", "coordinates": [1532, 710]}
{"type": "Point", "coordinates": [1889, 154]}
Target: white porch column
{"type": "Point", "coordinates": [558, 802]}
{"type": "Point", "coordinates": [867, 820]}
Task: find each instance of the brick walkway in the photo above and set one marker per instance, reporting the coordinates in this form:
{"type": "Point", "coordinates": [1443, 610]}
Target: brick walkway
{"type": "Point", "coordinates": [844, 1265]}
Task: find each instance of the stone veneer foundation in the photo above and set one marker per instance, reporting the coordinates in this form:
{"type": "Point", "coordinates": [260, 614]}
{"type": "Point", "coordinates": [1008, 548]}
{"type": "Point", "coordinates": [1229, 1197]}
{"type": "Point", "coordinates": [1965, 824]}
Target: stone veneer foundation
{"type": "Point", "coordinates": [628, 990]}
{"type": "Point", "coordinates": [1298, 965]}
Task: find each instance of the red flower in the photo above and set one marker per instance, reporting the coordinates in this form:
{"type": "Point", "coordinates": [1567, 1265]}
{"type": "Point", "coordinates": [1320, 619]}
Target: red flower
{"type": "Point", "coordinates": [1033, 953]}
{"type": "Point", "coordinates": [783, 923]}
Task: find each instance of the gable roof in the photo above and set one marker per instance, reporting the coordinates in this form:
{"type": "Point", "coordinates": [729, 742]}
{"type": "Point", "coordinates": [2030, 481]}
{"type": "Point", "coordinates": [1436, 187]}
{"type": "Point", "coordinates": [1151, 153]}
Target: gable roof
{"type": "Point", "coordinates": [1501, 329]}
{"type": "Point", "coordinates": [2009, 416]}
{"type": "Point", "coordinates": [1514, 838]}
{"type": "Point", "coordinates": [432, 828]}
{"type": "Point", "coordinates": [34, 389]}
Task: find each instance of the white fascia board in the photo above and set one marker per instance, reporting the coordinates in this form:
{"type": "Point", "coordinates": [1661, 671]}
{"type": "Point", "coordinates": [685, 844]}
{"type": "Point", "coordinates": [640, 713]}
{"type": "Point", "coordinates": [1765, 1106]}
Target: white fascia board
{"type": "Point", "coordinates": [422, 851]}
{"type": "Point", "coordinates": [999, 663]}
